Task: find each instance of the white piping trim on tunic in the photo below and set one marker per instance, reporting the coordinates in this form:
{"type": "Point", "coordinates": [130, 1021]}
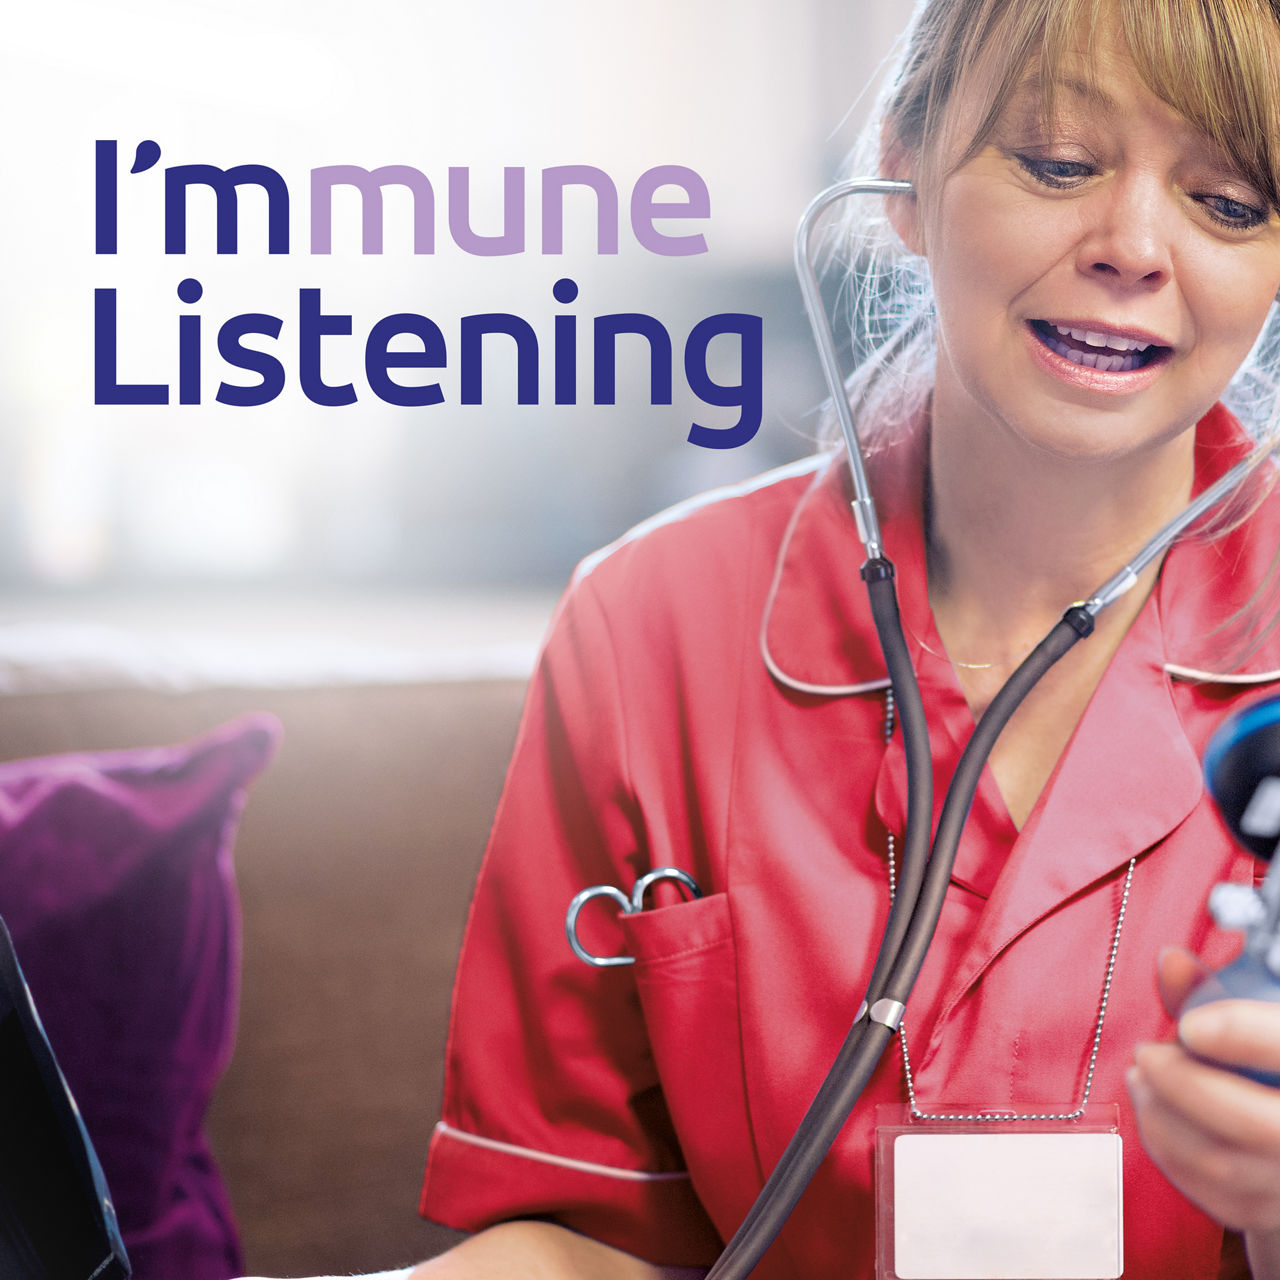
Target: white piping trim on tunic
{"type": "Point", "coordinates": [1220, 677]}
{"type": "Point", "coordinates": [564, 1162]}
{"type": "Point", "coordinates": [802, 686]}
{"type": "Point", "coordinates": [682, 510]}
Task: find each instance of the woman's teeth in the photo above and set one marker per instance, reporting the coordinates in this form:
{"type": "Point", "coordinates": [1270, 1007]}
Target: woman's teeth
{"type": "Point", "coordinates": [1102, 339]}
{"type": "Point", "coordinates": [1106, 352]}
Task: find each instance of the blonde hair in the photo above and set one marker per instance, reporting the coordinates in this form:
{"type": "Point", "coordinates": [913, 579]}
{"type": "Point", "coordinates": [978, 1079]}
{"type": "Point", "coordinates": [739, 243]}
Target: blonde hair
{"type": "Point", "coordinates": [1216, 62]}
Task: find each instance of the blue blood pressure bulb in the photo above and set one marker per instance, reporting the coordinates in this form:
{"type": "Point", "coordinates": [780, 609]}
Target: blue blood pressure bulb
{"type": "Point", "coordinates": [1242, 774]}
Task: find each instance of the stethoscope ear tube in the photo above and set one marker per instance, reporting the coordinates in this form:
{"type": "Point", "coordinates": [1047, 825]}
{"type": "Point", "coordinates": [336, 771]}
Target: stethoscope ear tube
{"type": "Point", "coordinates": [1074, 626]}
{"type": "Point", "coordinates": [864, 509]}
{"type": "Point", "coordinates": [867, 1039]}
{"type": "Point", "coordinates": [909, 708]}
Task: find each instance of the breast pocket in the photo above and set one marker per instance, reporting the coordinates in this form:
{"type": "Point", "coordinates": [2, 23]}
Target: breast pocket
{"type": "Point", "coordinates": [686, 976]}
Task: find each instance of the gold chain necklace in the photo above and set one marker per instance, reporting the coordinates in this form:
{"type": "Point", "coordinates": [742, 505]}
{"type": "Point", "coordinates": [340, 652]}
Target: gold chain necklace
{"type": "Point", "coordinates": [969, 666]}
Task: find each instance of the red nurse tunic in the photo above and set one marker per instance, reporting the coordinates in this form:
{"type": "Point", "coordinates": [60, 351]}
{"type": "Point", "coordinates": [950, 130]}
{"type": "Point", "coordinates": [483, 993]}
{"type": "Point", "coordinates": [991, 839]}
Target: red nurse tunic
{"type": "Point", "coordinates": [712, 697]}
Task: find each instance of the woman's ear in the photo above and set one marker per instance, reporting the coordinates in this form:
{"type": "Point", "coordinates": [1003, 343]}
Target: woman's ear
{"type": "Point", "coordinates": [903, 210]}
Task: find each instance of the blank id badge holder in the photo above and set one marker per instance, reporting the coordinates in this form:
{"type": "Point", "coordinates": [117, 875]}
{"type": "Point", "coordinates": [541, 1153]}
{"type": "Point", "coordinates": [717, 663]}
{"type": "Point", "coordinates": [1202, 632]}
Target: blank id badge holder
{"type": "Point", "coordinates": [985, 1193]}
{"type": "Point", "coordinates": [970, 1196]}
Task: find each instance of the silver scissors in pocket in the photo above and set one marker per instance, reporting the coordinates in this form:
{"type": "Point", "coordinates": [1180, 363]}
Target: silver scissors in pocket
{"type": "Point", "coordinates": [627, 906]}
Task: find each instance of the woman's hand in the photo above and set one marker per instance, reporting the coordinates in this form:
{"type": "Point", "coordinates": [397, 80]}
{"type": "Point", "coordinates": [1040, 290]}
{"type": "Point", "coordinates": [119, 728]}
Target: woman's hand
{"type": "Point", "coordinates": [1215, 1134]}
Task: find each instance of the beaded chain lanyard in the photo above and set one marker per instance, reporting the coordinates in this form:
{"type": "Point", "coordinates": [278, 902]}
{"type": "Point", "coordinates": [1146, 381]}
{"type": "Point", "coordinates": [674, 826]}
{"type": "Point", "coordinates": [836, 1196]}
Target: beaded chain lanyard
{"type": "Point", "coordinates": [1001, 1117]}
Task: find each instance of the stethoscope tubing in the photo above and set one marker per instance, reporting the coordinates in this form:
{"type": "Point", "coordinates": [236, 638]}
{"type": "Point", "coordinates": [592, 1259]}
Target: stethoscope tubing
{"type": "Point", "coordinates": [866, 1040]}
{"type": "Point", "coordinates": [864, 508]}
{"type": "Point", "coordinates": [909, 708]}
{"type": "Point", "coordinates": [926, 865]}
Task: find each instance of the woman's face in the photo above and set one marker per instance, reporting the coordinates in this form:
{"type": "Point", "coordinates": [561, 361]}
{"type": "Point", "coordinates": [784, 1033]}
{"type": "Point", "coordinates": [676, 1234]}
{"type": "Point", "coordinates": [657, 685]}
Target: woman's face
{"type": "Point", "coordinates": [1098, 281]}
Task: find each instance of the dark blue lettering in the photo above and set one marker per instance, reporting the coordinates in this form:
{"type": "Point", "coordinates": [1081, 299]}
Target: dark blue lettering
{"type": "Point", "coordinates": [190, 291]}
{"type": "Point", "coordinates": [473, 330]}
{"type": "Point", "coordinates": [566, 344]}
{"type": "Point", "coordinates": [378, 358]}
{"type": "Point", "coordinates": [313, 325]}
{"type": "Point", "coordinates": [106, 390]}
{"type": "Point", "coordinates": [606, 355]}
{"type": "Point", "coordinates": [105, 188]}
{"type": "Point", "coordinates": [269, 370]}
{"type": "Point", "coordinates": [104, 196]}
{"type": "Point", "coordinates": [747, 395]}
{"type": "Point", "coordinates": [224, 183]}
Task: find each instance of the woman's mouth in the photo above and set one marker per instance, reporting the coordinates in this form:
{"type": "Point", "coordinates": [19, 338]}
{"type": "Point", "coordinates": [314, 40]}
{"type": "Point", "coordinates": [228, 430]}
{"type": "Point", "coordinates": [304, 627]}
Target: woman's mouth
{"type": "Point", "coordinates": [1106, 351]}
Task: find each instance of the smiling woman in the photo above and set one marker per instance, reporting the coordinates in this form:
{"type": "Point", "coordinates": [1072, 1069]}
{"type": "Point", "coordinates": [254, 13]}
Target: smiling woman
{"type": "Point", "coordinates": [1214, 68]}
{"type": "Point", "coordinates": [1115, 215]}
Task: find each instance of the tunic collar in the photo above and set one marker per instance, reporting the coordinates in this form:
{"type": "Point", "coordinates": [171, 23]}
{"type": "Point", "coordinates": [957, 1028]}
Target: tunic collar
{"type": "Point", "coordinates": [817, 635]}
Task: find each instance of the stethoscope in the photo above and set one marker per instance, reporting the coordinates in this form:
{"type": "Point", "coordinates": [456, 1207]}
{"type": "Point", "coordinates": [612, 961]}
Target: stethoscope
{"type": "Point", "coordinates": [926, 866]}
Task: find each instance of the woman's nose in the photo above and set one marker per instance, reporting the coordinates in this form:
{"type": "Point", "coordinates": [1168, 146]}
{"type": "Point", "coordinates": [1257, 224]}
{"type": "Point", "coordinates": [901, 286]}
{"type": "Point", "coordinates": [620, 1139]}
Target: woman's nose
{"type": "Point", "coordinates": [1128, 238]}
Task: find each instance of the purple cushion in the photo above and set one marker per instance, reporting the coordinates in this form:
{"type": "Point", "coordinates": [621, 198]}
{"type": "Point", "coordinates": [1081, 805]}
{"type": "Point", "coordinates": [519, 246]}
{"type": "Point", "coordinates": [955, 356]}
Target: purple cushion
{"type": "Point", "coordinates": [117, 885]}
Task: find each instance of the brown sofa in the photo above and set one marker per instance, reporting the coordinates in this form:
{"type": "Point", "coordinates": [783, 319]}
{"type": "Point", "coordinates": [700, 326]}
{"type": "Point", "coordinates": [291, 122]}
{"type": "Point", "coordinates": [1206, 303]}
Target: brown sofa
{"type": "Point", "coordinates": [355, 861]}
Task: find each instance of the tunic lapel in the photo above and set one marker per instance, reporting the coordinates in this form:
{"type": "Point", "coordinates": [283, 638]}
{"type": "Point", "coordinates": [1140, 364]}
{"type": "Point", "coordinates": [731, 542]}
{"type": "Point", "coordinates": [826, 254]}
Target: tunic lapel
{"type": "Point", "coordinates": [1128, 777]}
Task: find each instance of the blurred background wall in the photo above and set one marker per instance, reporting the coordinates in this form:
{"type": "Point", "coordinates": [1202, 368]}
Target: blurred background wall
{"type": "Point", "coordinates": [377, 576]}
{"type": "Point", "coordinates": [760, 97]}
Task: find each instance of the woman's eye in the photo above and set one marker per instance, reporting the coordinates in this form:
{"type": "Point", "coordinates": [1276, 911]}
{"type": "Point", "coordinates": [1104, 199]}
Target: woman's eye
{"type": "Point", "coordinates": [1055, 173]}
{"type": "Point", "coordinates": [1235, 214]}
